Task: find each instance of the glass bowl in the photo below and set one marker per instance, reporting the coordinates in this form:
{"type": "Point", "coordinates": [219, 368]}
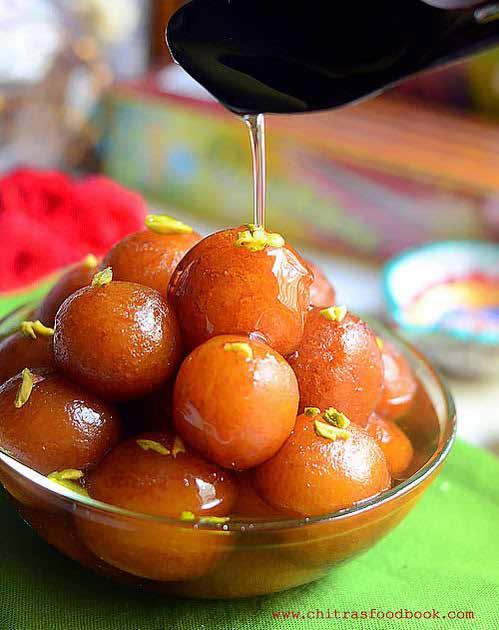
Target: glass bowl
{"type": "Point", "coordinates": [240, 558]}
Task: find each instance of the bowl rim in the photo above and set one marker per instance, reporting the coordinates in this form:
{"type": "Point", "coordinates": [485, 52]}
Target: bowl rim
{"type": "Point", "coordinates": [396, 311]}
{"type": "Point", "coordinates": [249, 526]}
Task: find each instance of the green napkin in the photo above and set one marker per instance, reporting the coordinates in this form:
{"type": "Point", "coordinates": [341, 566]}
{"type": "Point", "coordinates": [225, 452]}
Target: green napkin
{"type": "Point", "coordinates": [443, 557]}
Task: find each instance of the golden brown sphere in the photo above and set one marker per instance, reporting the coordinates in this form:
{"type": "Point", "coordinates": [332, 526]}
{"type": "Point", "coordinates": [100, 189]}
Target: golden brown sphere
{"type": "Point", "coordinates": [60, 426]}
{"type": "Point", "coordinates": [144, 475]}
{"type": "Point", "coordinates": [149, 258]}
{"type": "Point", "coordinates": [399, 384]}
{"type": "Point", "coordinates": [322, 292]}
{"type": "Point", "coordinates": [338, 364]}
{"type": "Point", "coordinates": [120, 340]}
{"type": "Point", "coordinates": [312, 475]}
{"type": "Point", "coordinates": [393, 442]}
{"type": "Point", "coordinates": [219, 288]}
{"type": "Point", "coordinates": [235, 401]}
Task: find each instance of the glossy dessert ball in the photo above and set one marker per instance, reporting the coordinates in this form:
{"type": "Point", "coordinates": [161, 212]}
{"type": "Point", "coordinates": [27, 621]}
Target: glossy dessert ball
{"type": "Point", "coordinates": [150, 257]}
{"type": "Point", "coordinates": [77, 277]}
{"type": "Point", "coordinates": [322, 468]}
{"type": "Point", "coordinates": [321, 291]}
{"type": "Point", "coordinates": [399, 383]}
{"type": "Point", "coordinates": [235, 401]}
{"type": "Point", "coordinates": [244, 282]}
{"type": "Point", "coordinates": [338, 364]}
{"type": "Point", "coordinates": [119, 340]}
{"type": "Point", "coordinates": [393, 442]}
{"type": "Point", "coordinates": [50, 424]}
{"type": "Point", "coordinates": [155, 474]}
{"type": "Point", "coordinates": [20, 350]}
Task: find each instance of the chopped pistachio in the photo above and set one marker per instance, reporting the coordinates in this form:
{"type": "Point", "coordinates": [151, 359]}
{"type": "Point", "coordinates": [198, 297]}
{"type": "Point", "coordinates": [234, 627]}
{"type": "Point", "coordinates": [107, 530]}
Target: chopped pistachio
{"type": "Point", "coordinates": [32, 329]}
{"type": "Point", "coordinates": [240, 346]}
{"type": "Point", "coordinates": [24, 391]}
{"type": "Point", "coordinates": [330, 432]}
{"type": "Point", "coordinates": [178, 446]}
{"type": "Point", "coordinates": [381, 343]}
{"type": "Point", "coordinates": [67, 478]}
{"type": "Point", "coordinates": [336, 418]}
{"type": "Point", "coordinates": [103, 277]}
{"type": "Point", "coordinates": [256, 239]}
{"type": "Point", "coordinates": [334, 313]}
{"type": "Point", "coordinates": [163, 224]}
{"type": "Point", "coordinates": [311, 411]}
{"type": "Point", "coordinates": [151, 445]}
{"type": "Point", "coordinates": [215, 520]}
{"type": "Point", "coordinates": [187, 516]}
{"type": "Point", "coordinates": [89, 262]}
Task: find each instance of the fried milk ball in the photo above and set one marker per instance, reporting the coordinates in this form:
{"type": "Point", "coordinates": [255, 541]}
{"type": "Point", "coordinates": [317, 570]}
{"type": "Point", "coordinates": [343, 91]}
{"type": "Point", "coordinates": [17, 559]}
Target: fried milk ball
{"type": "Point", "coordinates": [249, 504]}
{"type": "Point", "coordinates": [322, 292]}
{"type": "Point", "coordinates": [76, 277]}
{"type": "Point", "coordinates": [393, 442]}
{"type": "Point", "coordinates": [20, 350]}
{"type": "Point", "coordinates": [235, 401]}
{"type": "Point", "coordinates": [149, 257]}
{"type": "Point", "coordinates": [322, 468]}
{"type": "Point", "coordinates": [338, 364]}
{"type": "Point", "coordinates": [241, 282]}
{"type": "Point", "coordinates": [118, 339]}
{"type": "Point", "coordinates": [155, 474]}
{"type": "Point", "coordinates": [50, 424]}
{"type": "Point", "coordinates": [399, 383]}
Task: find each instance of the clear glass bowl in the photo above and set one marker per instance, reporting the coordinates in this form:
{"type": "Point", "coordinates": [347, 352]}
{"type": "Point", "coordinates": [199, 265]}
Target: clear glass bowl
{"type": "Point", "coordinates": [241, 558]}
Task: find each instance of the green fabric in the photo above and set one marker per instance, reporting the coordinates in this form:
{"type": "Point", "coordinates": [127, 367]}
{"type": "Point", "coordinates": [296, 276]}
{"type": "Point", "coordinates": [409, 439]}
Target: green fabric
{"type": "Point", "coordinates": [444, 556]}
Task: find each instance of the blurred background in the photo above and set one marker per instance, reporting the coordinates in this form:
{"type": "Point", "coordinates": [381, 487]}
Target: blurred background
{"type": "Point", "coordinates": [88, 89]}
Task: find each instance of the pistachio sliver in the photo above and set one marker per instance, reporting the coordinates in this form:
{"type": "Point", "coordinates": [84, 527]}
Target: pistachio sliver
{"type": "Point", "coordinates": [256, 239]}
{"type": "Point", "coordinates": [25, 388]}
{"type": "Point", "coordinates": [311, 411]}
{"type": "Point", "coordinates": [178, 446]}
{"type": "Point", "coordinates": [89, 262]}
{"type": "Point", "coordinates": [33, 329]}
{"type": "Point", "coordinates": [330, 432]}
{"type": "Point", "coordinates": [163, 224]}
{"type": "Point", "coordinates": [336, 418]}
{"type": "Point", "coordinates": [334, 313]}
{"type": "Point", "coordinates": [187, 516]}
{"type": "Point", "coordinates": [151, 445]}
{"type": "Point", "coordinates": [67, 479]}
{"type": "Point", "coordinates": [240, 347]}
{"type": "Point", "coordinates": [215, 520]}
{"type": "Point", "coordinates": [380, 343]}
{"type": "Point", "coordinates": [103, 277]}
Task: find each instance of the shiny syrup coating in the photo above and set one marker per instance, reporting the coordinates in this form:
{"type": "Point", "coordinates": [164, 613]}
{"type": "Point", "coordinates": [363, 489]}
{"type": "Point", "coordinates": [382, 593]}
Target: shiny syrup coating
{"type": "Point", "coordinates": [75, 278]}
{"type": "Point", "coordinates": [338, 364]}
{"type": "Point", "coordinates": [393, 442]}
{"type": "Point", "coordinates": [60, 426]}
{"type": "Point", "coordinates": [120, 340]}
{"type": "Point", "coordinates": [219, 288]}
{"type": "Point", "coordinates": [18, 351]}
{"type": "Point", "coordinates": [235, 410]}
{"type": "Point", "coordinates": [312, 475]}
{"type": "Point", "coordinates": [154, 483]}
{"type": "Point", "coordinates": [249, 504]}
{"type": "Point", "coordinates": [149, 258]}
{"type": "Point", "coordinates": [399, 384]}
{"type": "Point", "coordinates": [322, 292]}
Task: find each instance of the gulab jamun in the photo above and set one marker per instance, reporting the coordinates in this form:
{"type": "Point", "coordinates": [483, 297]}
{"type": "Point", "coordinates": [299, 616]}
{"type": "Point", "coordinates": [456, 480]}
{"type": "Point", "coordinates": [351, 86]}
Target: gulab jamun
{"type": "Point", "coordinates": [242, 281]}
{"type": "Point", "coordinates": [393, 442]}
{"type": "Point", "coordinates": [322, 292]}
{"type": "Point", "coordinates": [249, 504]}
{"type": "Point", "coordinates": [26, 349]}
{"type": "Point", "coordinates": [338, 364]}
{"type": "Point", "coordinates": [76, 277]}
{"type": "Point", "coordinates": [399, 383]}
{"type": "Point", "coordinates": [51, 424]}
{"type": "Point", "coordinates": [118, 339]}
{"type": "Point", "coordinates": [151, 474]}
{"type": "Point", "coordinates": [322, 467]}
{"type": "Point", "coordinates": [235, 401]}
{"type": "Point", "coordinates": [149, 257]}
